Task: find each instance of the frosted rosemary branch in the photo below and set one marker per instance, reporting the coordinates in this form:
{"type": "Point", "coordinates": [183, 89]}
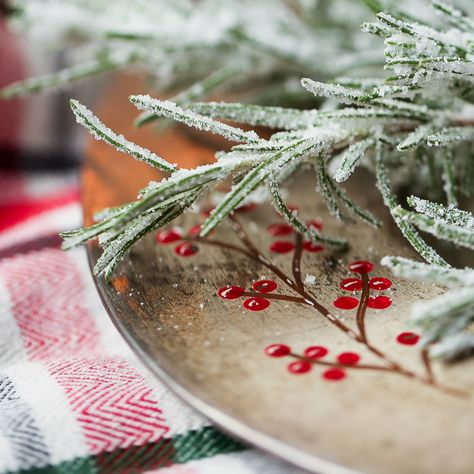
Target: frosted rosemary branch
{"type": "Point", "coordinates": [413, 129]}
{"type": "Point", "coordinates": [197, 47]}
{"type": "Point", "coordinates": [400, 123]}
{"type": "Point", "coordinates": [447, 320]}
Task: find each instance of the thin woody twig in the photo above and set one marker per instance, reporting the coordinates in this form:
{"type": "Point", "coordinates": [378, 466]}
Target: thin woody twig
{"type": "Point", "coordinates": [425, 357]}
{"type": "Point", "coordinates": [276, 296]}
{"type": "Point", "coordinates": [339, 365]}
{"type": "Point", "coordinates": [296, 264]}
{"type": "Point", "coordinates": [362, 308]}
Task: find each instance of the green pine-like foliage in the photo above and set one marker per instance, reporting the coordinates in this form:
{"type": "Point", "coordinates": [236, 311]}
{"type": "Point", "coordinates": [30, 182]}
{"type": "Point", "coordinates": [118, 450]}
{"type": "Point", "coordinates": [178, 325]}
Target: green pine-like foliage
{"type": "Point", "coordinates": [404, 112]}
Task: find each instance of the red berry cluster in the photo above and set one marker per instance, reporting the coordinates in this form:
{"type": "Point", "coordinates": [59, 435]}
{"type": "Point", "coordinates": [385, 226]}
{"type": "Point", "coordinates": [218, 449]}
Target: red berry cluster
{"type": "Point", "coordinates": [285, 246]}
{"type": "Point", "coordinates": [356, 284]}
{"type": "Point", "coordinates": [254, 303]}
{"type": "Point", "coordinates": [184, 249]}
{"type": "Point", "coordinates": [305, 363]}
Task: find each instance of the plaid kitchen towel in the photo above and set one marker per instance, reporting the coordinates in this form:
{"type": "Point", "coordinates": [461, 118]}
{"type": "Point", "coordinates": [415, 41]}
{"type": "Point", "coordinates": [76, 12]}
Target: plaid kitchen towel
{"type": "Point", "coordinates": [73, 397]}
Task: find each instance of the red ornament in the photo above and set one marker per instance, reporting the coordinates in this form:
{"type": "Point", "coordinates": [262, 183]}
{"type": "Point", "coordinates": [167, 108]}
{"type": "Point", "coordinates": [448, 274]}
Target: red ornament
{"type": "Point", "coordinates": [168, 236]}
{"type": "Point", "coordinates": [277, 350]}
{"type": "Point", "coordinates": [345, 302]}
{"type": "Point", "coordinates": [315, 352]}
{"type": "Point", "coordinates": [312, 247]}
{"type": "Point", "coordinates": [256, 304]}
{"type": "Point", "coordinates": [379, 283]}
{"type": "Point", "coordinates": [299, 367]}
{"type": "Point", "coordinates": [361, 266]}
{"type": "Point", "coordinates": [231, 292]}
{"type": "Point", "coordinates": [334, 374]}
{"type": "Point", "coordinates": [379, 302]}
{"type": "Point", "coordinates": [351, 284]}
{"type": "Point", "coordinates": [348, 358]}
{"type": "Point", "coordinates": [315, 224]}
{"type": "Point", "coordinates": [187, 249]}
{"type": "Point", "coordinates": [281, 246]}
{"type": "Point", "coordinates": [408, 338]}
{"type": "Point", "coordinates": [279, 229]}
{"type": "Point", "coordinates": [264, 286]}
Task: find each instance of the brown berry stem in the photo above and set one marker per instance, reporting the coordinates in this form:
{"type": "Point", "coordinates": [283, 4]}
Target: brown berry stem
{"type": "Point", "coordinates": [362, 308]}
{"type": "Point", "coordinates": [275, 296]}
{"type": "Point", "coordinates": [296, 264]}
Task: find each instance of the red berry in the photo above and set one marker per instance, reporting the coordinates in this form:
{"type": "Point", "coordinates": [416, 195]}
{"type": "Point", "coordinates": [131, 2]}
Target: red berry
{"type": "Point", "coordinates": [348, 358]}
{"type": "Point", "coordinates": [379, 283]}
{"type": "Point", "coordinates": [334, 374]}
{"type": "Point", "coordinates": [231, 292]}
{"type": "Point", "coordinates": [281, 246]}
{"type": "Point", "coordinates": [345, 302]}
{"type": "Point", "coordinates": [264, 286]}
{"type": "Point", "coordinates": [379, 302]}
{"type": "Point", "coordinates": [293, 208]}
{"type": "Point", "coordinates": [408, 338]}
{"type": "Point", "coordinates": [256, 304]}
{"type": "Point", "coordinates": [361, 266]}
{"type": "Point", "coordinates": [187, 249]}
{"type": "Point", "coordinates": [277, 350]}
{"type": "Point", "coordinates": [315, 224]}
{"type": "Point", "coordinates": [312, 247]}
{"type": "Point", "coordinates": [299, 367]}
{"type": "Point", "coordinates": [195, 230]}
{"type": "Point", "coordinates": [168, 236]}
{"type": "Point", "coordinates": [351, 284]}
{"type": "Point", "coordinates": [315, 352]}
{"type": "Point", "coordinates": [279, 229]}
